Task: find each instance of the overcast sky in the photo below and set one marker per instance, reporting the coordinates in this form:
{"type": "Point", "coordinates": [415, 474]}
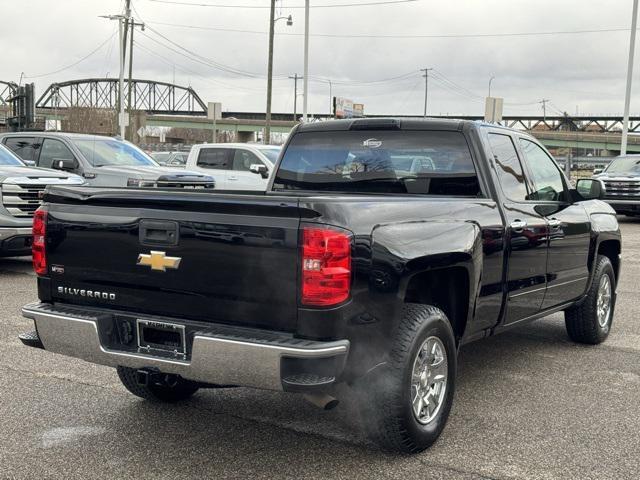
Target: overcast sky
{"type": "Point", "coordinates": [583, 71]}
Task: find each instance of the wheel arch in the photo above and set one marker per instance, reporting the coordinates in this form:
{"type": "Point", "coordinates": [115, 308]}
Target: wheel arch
{"type": "Point", "coordinates": [450, 289]}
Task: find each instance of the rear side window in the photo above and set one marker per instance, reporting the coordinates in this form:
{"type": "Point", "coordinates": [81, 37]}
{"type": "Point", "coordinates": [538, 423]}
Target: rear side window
{"type": "Point", "coordinates": [546, 177]}
{"type": "Point", "coordinates": [216, 158]}
{"type": "Point", "coordinates": [508, 166]}
{"type": "Point", "coordinates": [379, 161]}
{"type": "Point", "coordinates": [24, 147]}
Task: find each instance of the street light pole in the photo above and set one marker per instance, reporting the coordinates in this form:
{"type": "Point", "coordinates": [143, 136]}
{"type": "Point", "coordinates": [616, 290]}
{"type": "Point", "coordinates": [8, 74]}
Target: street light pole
{"type": "Point", "coordinates": [490, 80]}
{"type": "Point", "coordinates": [267, 123]}
{"type": "Point", "coordinates": [627, 97]}
{"type": "Point", "coordinates": [121, 41]}
{"type": "Point", "coordinates": [305, 88]}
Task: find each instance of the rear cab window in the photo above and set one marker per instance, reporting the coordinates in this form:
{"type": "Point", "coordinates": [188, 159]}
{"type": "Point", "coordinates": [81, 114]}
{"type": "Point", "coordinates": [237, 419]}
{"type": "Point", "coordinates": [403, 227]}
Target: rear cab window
{"type": "Point", "coordinates": [379, 161]}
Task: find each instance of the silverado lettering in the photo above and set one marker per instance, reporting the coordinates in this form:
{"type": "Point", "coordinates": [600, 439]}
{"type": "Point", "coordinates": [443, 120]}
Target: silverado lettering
{"type": "Point", "coordinates": [87, 293]}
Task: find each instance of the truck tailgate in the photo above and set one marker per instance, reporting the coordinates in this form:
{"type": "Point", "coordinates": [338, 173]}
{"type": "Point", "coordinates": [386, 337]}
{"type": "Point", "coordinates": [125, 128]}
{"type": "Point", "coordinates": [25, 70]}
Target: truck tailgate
{"type": "Point", "coordinates": [215, 258]}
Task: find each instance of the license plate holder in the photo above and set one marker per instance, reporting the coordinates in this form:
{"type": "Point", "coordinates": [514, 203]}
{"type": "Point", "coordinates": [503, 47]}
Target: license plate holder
{"type": "Point", "coordinates": [161, 337]}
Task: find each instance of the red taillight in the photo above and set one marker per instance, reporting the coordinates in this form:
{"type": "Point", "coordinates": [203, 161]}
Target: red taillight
{"type": "Point", "coordinates": [38, 251]}
{"type": "Point", "coordinates": [326, 266]}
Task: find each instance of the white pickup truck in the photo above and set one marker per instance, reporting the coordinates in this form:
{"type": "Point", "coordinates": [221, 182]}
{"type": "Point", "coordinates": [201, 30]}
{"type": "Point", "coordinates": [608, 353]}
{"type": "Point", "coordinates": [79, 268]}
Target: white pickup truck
{"type": "Point", "coordinates": [235, 166]}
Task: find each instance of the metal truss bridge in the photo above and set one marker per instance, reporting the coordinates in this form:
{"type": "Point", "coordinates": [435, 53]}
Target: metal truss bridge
{"type": "Point", "coordinates": [146, 95]}
{"type": "Point", "coordinates": [7, 91]}
{"type": "Point", "coordinates": [587, 123]}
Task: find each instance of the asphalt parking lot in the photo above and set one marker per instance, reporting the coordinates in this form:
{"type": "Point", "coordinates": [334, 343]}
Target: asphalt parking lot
{"type": "Point", "coordinates": [530, 404]}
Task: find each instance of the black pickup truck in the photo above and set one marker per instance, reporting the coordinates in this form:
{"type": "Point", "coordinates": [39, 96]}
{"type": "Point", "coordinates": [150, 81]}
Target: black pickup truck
{"type": "Point", "coordinates": [380, 247]}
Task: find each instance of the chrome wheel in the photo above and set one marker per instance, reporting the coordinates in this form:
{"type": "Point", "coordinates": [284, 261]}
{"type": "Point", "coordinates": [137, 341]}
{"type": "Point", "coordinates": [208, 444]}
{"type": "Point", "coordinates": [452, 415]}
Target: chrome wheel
{"type": "Point", "coordinates": [603, 305]}
{"type": "Point", "coordinates": [429, 380]}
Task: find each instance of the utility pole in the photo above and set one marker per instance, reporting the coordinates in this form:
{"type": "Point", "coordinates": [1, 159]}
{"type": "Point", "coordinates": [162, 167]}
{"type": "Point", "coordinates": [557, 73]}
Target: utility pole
{"type": "Point", "coordinates": [627, 97]}
{"type": "Point", "coordinates": [305, 88]}
{"type": "Point", "coordinates": [330, 98]}
{"type": "Point", "coordinates": [295, 79]}
{"type": "Point", "coordinates": [544, 109]}
{"type": "Point", "coordinates": [426, 88]}
{"type": "Point", "coordinates": [267, 121]}
{"type": "Point", "coordinates": [121, 121]}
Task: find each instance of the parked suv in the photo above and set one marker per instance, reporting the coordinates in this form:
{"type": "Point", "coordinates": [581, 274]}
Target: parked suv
{"type": "Point", "coordinates": [21, 188]}
{"type": "Point", "coordinates": [235, 166]}
{"type": "Point", "coordinates": [102, 161]}
{"type": "Point", "coordinates": [622, 181]}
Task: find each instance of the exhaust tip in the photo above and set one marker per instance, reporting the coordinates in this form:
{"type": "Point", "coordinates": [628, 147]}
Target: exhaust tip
{"type": "Point", "coordinates": [321, 400]}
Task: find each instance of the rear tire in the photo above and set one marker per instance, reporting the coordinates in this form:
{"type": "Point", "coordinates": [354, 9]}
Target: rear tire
{"type": "Point", "coordinates": [182, 390]}
{"type": "Point", "coordinates": [590, 322]}
{"type": "Point", "coordinates": [405, 404]}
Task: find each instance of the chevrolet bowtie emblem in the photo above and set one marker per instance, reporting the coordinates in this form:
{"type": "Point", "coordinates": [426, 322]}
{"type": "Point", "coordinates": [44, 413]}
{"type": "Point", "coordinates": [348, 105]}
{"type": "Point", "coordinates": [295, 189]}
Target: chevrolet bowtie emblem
{"type": "Point", "coordinates": [158, 261]}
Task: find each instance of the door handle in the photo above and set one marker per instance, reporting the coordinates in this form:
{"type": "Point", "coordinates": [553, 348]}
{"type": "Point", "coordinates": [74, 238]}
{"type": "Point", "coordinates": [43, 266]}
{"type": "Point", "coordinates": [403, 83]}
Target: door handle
{"type": "Point", "coordinates": [518, 225]}
{"type": "Point", "coordinates": [555, 223]}
{"type": "Point", "coordinates": [232, 178]}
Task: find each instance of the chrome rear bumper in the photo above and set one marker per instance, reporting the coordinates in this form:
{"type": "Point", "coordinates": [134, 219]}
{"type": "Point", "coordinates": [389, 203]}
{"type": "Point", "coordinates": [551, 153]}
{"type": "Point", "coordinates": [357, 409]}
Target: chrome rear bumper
{"type": "Point", "coordinates": [213, 359]}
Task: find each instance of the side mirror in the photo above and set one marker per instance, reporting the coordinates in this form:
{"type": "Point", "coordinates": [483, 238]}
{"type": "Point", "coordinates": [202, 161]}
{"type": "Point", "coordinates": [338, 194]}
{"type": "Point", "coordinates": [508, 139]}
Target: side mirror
{"type": "Point", "coordinates": [29, 163]}
{"type": "Point", "coordinates": [596, 170]}
{"type": "Point", "coordinates": [591, 189]}
{"type": "Point", "coordinates": [260, 169]}
{"type": "Point", "coordinates": [68, 164]}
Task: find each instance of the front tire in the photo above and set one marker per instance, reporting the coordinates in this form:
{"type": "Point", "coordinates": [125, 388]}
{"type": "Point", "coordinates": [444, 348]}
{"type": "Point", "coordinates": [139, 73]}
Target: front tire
{"type": "Point", "coordinates": [590, 322]}
{"type": "Point", "coordinates": [182, 389]}
{"type": "Point", "coordinates": [405, 405]}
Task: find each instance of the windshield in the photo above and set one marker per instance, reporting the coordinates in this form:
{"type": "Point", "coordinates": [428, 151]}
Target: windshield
{"type": "Point", "coordinates": [624, 165]}
{"type": "Point", "coordinates": [106, 151]}
{"type": "Point", "coordinates": [161, 157]}
{"type": "Point", "coordinates": [271, 153]}
{"type": "Point", "coordinates": [395, 161]}
{"type": "Point", "coordinates": [8, 158]}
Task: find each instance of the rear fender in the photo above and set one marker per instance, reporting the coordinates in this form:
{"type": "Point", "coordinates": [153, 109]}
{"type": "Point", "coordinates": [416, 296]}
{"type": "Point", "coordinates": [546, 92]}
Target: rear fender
{"type": "Point", "coordinates": [418, 247]}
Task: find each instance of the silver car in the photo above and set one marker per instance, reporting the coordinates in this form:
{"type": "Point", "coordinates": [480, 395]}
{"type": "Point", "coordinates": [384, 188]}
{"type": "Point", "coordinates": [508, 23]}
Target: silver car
{"type": "Point", "coordinates": [101, 161]}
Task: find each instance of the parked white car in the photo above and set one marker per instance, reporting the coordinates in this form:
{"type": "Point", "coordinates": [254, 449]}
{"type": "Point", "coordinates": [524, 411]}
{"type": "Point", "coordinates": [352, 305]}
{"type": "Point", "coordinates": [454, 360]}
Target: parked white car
{"type": "Point", "coordinates": [235, 166]}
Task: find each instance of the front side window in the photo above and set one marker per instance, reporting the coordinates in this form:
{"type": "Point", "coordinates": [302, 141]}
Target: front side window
{"type": "Point", "coordinates": [243, 159]}
{"type": "Point", "coordinates": [215, 158]}
{"type": "Point", "coordinates": [510, 173]}
{"type": "Point", "coordinates": [53, 150]}
{"type": "Point", "coordinates": [379, 161]}
{"type": "Point", "coordinates": [547, 179]}
{"type": "Point", "coordinates": [101, 152]}
{"type": "Point", "coordinates": [25, 147]}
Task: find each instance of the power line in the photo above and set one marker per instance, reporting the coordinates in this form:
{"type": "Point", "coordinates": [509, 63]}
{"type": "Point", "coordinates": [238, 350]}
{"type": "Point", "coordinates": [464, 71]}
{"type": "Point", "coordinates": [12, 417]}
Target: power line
{"type": "Point", "coordinates": [336, 5]}
{"type": "Point", "coordinates": [75, 63]}
{"type": "Point", "coordinates": [194, 56]}
{"type": "Point", "coordinates": [398, 36]}
{"type": "Point", "coordinates": [179, 66]}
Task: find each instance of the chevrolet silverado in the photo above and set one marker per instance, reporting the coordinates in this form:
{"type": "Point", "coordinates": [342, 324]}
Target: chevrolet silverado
{"type": "Point", "coordinates": [380, 247]}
